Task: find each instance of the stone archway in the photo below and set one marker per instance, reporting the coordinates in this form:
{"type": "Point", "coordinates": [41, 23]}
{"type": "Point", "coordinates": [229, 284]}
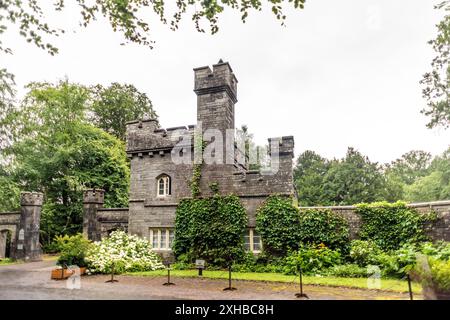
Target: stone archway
{"type": "Point", "coordinates": [5, 243]}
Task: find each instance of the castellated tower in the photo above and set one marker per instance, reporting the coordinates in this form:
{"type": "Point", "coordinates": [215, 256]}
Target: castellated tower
{"type": "Point", "coordinates": [162, 169]}
{"type": "Point", "coordinates": [216, 96]}
{"type": "Point", "coordinates": [216, 91]}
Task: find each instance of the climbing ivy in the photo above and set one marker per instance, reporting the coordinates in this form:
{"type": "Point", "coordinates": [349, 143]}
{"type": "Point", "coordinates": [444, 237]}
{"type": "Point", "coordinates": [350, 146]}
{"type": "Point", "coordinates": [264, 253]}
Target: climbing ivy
{"type": "Point", "coordinates": [210, 229]}
{"type": "Point", "coordinates": [199, 147]}
{"type": "Point", "coordinates": [277, 221]}
{"type": "Point", "coordinates": [323, 226]}
{"type": "Point", "coordinates": [390, 225]}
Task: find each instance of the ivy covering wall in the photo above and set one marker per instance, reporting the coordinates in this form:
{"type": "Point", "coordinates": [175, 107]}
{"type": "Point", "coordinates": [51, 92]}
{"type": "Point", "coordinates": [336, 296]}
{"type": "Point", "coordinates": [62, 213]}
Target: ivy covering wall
{"type": "Point", "coordinates": [390, 225]}
{"type": "Point", "coordinates": [283, 227]}
{"type": "Point", "coordinates": [277, 222]}
{"type": "Point", "coordinates": [210, 229]}
{"type": "Point", "coordinates": [323, 226]}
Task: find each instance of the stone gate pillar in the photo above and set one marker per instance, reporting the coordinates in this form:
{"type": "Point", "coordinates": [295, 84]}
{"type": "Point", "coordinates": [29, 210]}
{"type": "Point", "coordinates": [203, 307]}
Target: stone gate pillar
{"type": "Point", "coordinates": [93, 199]}
{"type": "Point", "coordinates": [28, 247]}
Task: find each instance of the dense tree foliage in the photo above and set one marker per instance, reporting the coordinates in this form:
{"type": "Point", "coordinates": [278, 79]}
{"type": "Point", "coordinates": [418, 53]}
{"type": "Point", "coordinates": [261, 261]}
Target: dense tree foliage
{"type": "Point", "coordinates": [353, 179]}
{"type": "Point", "coordinates": [309, 177]}
{"type": "Point", "coordinates": [410, 166]}
{"type": "Point", "coordinates": [51, 147]}
{"type": "Point", "coordinates": [114, 106]}
{"type": "Point", "coordinates": [349, 180]}
{"type": "Point", "coordinates": [130, 17]}
{"type": "Point", "coordinates": [435, 185]}
{"type": "Point", "coordinates": [436, 82]}
{"type": "Point", "coordinates": [415, 176]}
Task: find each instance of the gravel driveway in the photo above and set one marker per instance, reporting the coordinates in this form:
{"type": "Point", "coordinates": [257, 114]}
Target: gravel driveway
{"type": "Point", "coordinates": [32, 281]}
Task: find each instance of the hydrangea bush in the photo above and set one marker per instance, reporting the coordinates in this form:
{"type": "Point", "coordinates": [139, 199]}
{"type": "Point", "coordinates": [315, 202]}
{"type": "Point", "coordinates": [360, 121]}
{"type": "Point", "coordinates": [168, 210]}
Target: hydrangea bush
{"type": "Point", "coordinates": [120, 253]}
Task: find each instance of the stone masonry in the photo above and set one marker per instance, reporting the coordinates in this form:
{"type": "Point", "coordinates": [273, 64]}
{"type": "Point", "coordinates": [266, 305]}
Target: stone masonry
{"type": "Point", "coordinates": [151, 150]}
{"type": "Point", "coordinates": [23, 227]}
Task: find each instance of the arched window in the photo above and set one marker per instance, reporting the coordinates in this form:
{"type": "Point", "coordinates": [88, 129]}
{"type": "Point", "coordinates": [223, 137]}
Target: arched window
{"type": "Point", "coordinates": [164, 186]}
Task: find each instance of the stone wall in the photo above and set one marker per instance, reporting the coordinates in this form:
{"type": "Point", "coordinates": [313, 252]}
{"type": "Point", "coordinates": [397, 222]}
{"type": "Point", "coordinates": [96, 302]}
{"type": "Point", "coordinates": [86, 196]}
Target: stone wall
{"type": "Point", "coordinates": [9, 221]}
{"type": "Point", "coordinates": [24, 227]}
{"type": "Point", "coordinates": [99, 222]}
{"type": "Point", "coordinates": [112, 219]}
{"type": "Point", "coordinates": [438, 230]}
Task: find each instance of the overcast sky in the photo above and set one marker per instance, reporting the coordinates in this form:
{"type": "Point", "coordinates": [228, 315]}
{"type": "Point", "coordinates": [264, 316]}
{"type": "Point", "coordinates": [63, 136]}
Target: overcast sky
{"type": "Point", "coordinates": [341, 73]}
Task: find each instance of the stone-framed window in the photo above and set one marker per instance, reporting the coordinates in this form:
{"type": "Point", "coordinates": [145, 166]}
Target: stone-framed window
{"type": "Point", "coordinates": [252, 241]}
{"type": "Point", "coordinates": [163, 186]}
{"type": "Point", "coordinates": [162, 238]}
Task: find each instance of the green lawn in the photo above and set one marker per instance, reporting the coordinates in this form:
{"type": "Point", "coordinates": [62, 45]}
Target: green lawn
{"type": "Point", "coordinates": [386, 284]}
{"type": "Point", "coordinates": [8, 261]}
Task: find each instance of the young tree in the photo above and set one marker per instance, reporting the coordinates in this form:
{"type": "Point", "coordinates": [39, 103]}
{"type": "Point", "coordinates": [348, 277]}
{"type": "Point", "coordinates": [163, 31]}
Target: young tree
{"type": "Point", "coordinates": [437, 81]}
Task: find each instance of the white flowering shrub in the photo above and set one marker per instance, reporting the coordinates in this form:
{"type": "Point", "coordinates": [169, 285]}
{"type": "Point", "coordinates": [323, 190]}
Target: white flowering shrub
{"type": "Point", "coordinates": [120, 253]}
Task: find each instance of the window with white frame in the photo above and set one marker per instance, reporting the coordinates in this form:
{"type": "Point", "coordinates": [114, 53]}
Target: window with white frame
{"type": "Point", "coordinates": [164, 186]}
{"type": "Point", "coordinates": [162, 238]}
{"type": "Point", "coordinates": [252, 241]}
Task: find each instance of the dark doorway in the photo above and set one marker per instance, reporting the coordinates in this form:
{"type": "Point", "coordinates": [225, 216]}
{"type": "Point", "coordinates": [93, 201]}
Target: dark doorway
{"type": "Point", "coordinates": [5, 244]}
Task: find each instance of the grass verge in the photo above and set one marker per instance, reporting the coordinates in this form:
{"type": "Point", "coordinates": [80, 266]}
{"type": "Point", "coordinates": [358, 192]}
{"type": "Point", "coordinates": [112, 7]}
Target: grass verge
{"type": "Point", "coordinates": [393, 285]}
{"type": "Point", "coordinates": [8, 261]}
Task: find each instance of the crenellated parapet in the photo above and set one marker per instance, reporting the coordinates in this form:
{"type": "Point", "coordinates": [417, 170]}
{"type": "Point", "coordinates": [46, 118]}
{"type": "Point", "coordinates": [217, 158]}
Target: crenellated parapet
{"type": "Point", "coordinates": [94, 196]}
{"type": "Point", "coordinates": [31, 199]}
{"type": "Point", "coordinates": [283, 146]}
{"type": "Point", "coordinates": [145, 137]}
{"type": "Point", "coordinates": [93, 200]}
{"type": "Point", "coordinates": [220, 78]}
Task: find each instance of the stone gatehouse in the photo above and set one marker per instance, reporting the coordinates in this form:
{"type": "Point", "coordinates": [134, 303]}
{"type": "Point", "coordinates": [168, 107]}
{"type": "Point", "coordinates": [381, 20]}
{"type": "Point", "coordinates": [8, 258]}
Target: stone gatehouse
{"type": "Point", "coordinates": [157, 183]}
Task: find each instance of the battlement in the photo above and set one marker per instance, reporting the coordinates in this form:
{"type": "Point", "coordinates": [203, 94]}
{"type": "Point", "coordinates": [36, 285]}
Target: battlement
{"type": "Point", "coordinates": [146, 135]}
{"type": "Point", "coordinates": [94, 196]}
{"type": "Point", "coordinates": [285, 145]}
{"type": "Point", "coordinates": [221, 78]}
{"type": "Point", "coordinates": [31, 198]}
